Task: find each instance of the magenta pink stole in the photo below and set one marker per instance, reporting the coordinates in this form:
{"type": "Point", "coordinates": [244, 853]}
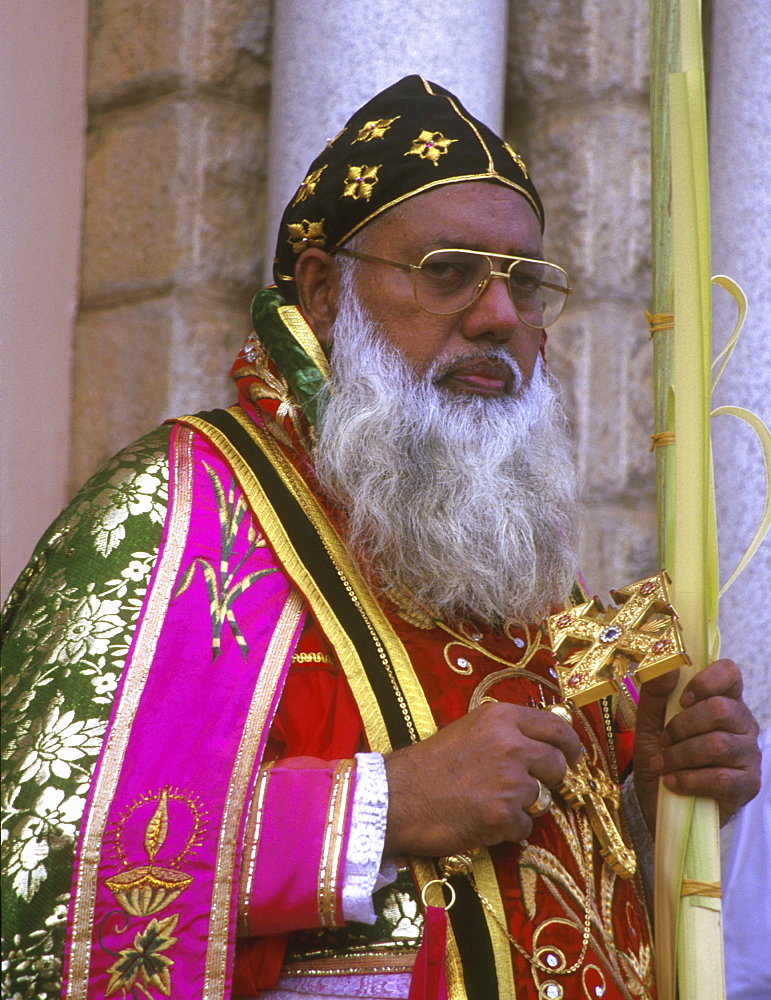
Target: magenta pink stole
{"type": "Point", "coordinates": [153, 906]}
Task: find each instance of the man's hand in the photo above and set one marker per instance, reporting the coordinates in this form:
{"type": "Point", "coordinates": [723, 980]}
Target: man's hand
{"type": "Point", "coordinates": [469, 784]}
{"type": "Point", "coordinates": [710, 748]}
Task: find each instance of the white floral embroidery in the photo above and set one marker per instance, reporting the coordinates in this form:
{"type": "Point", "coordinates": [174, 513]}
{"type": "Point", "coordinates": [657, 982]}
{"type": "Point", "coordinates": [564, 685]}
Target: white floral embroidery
{"type": "Point", "coordinates": [57, 742]}
{"type": "Point", "coordinates": [129, 492]}
{"type": "Point", "coordinates": [85, 628]}
{"type": "Point", "coordinates": [55, 813]}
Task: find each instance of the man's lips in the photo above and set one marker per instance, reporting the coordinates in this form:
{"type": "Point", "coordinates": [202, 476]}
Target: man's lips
{"type": "Point", "coordinates": [486, 378]}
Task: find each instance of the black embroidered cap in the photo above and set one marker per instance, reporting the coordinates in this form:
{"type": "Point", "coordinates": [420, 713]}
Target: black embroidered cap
{"type": "Point", "coordinates": [411, 137]}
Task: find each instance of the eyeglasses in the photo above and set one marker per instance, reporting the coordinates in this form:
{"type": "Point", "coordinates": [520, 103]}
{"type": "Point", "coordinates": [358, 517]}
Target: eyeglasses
{"type": "Point", "coordinates": [449, 281]}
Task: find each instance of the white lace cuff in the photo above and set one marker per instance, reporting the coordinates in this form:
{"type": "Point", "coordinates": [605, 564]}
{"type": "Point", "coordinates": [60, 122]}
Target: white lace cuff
{"type": "Point", "coordinates": [362, 872]}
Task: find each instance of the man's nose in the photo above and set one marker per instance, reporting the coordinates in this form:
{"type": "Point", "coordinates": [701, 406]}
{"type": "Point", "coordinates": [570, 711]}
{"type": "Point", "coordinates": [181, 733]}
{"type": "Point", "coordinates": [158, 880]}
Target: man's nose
{"type": "Point", "coordinates": [493, 315]}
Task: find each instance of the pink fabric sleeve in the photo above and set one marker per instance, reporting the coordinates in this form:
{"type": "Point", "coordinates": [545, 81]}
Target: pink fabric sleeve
{"type": "Point", "coordinates": [295, 846]}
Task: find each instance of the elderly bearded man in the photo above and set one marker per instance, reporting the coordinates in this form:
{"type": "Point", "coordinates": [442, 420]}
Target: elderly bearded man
{"type": "Point", "coordinates": [322, 604]}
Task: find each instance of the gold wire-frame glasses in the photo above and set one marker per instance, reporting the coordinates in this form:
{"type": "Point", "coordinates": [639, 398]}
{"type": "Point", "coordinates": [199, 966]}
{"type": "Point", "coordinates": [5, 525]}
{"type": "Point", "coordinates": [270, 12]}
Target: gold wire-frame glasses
{"type": "Point", "coordinates": [448, 281]}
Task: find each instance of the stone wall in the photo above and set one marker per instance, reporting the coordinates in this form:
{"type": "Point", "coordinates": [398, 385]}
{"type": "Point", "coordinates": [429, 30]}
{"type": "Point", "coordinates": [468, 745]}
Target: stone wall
{"type": "Point", "coordinates": [578, 111]}
{"type": "Point", "coordinates": [174, 205]}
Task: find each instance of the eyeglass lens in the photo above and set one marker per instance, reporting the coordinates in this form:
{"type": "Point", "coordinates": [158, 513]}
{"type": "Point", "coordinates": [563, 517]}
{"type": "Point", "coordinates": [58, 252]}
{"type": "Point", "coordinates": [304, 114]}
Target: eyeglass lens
{"type": "Point", "coordinates": [449, 281]}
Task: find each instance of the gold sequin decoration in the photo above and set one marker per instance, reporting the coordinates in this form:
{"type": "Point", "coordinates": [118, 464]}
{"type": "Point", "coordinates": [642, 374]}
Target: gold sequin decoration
{"type": "Point", "coordinates": [308, 186]}
{"type": "Point", "coordinates": [360, 182]}
{"type": "Point", "coordinates": [430, 146]}
{"type": "Point", "coordinates": [306, 234]}
{"type": "Point", "coordinates": [375, 129]}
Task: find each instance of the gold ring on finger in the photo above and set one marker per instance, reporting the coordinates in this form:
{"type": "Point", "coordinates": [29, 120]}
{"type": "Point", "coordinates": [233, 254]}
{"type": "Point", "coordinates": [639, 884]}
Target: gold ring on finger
{"type": "Point", "coordinates": [542, 803]}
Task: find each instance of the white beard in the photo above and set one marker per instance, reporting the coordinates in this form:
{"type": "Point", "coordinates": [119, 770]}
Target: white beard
{"type": "Point", "coordinates": [461, 505]}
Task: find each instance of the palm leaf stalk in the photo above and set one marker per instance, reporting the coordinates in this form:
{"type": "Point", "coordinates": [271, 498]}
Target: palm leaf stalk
{"type": "Point", "coordinates": [687, 869]}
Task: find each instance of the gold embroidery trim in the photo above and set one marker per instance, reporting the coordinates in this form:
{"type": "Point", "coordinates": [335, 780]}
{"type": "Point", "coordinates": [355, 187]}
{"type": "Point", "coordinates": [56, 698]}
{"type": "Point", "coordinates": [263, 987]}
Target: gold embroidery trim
{"type": "Point", "coordinates": [693, 887]}
{"type": "Point", "coordinates": [332, 847]}
{"type": "Point", "coordinates": [486, 881]}
{"type": "Point", "coordinates": [137, 671]}
{"type": "Point", "coordinates": [475, 130]}
{"type": "Point", "coordinates": [217, 950]}
{"type": "Point", "coordinates": [305, 337]}
{"type": "Point", "coordinates": [516, 158]}
{"type": "Point", "coordinates": [488, 175]}
{"type": "Point", "coordinates": [311, 658]}
{"type": "Point", "coordinates": [430, 146]}
{"type": "Point", "coordinates": [251, 839]}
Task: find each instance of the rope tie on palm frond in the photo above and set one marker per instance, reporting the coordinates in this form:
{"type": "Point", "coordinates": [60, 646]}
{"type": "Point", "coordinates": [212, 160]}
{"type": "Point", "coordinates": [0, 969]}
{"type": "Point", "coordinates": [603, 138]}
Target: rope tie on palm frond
{"type": "Point", "coordinates": [661, 438]}
{"type": "Point", "coordinates": [694, 887]}
{"type": "Point", "coordinates": [659, 321]}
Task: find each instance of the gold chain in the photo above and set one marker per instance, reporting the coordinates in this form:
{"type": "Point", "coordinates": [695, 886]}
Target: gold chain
{"type": "Point", "coordinates": [459, 864]}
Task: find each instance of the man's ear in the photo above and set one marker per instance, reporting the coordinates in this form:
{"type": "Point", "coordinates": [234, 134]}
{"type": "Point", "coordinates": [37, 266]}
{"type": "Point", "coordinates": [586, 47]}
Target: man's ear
{"type": "Point", "coordinates": [317, 280]}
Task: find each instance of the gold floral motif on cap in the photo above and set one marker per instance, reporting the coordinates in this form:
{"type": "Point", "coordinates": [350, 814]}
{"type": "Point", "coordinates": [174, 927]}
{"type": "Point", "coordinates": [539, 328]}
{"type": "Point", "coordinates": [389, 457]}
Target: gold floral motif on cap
{"type": "Point", "coordinates": [308, 186]}
{"type": "Point", "coordinates": [306, 234]}
{"type": "Point", "coordinates": [360, 182]}
{"type": "Point", "coordinates": [375, 129]}
{"type": "Point", "coordinates": [516, 158]}
{"type": "Point", "coordinates": [430, 146]}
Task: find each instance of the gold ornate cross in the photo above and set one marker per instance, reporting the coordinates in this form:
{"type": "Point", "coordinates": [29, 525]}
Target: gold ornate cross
{"type": "Point", "coordinates": [595, 649]}
{"type": "Point", "coordinates": [587, 787]}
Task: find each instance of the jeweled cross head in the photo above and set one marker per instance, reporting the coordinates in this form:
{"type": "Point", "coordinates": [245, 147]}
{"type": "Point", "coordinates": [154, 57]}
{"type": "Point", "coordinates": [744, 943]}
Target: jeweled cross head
{"type": "Point", "coordinates": [596, 649]}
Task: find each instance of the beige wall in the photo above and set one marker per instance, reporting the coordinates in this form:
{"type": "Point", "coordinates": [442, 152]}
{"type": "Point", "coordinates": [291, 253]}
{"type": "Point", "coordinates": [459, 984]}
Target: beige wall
{"type": "Point", "coordinates": [42, 136]}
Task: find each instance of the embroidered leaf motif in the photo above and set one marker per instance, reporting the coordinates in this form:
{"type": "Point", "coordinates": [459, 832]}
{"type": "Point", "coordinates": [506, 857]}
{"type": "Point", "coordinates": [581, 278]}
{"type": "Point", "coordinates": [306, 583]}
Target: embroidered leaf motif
{"type": "Point", "coordinates": [551, 869]}
{"type": "Point", "coordinates": [144, 965]}
{"type": "Point", "coordinates": [221, 587]}
{"type": "Point", "coordinates": [527, 880]}
{"type": "Point", "coordinates": [158, 827]}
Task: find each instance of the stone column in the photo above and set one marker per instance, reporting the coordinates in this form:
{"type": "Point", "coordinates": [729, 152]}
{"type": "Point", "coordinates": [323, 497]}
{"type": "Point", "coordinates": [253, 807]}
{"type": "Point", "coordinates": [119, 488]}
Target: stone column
{"type": "Point", "coordinates": [740, 150]}
{"type": "Point", "coordinates": [329, 58]}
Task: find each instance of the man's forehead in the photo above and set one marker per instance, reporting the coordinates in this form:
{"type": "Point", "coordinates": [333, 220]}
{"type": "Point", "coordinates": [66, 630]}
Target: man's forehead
{"type": "Point", "coordinates": [474, 215]}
